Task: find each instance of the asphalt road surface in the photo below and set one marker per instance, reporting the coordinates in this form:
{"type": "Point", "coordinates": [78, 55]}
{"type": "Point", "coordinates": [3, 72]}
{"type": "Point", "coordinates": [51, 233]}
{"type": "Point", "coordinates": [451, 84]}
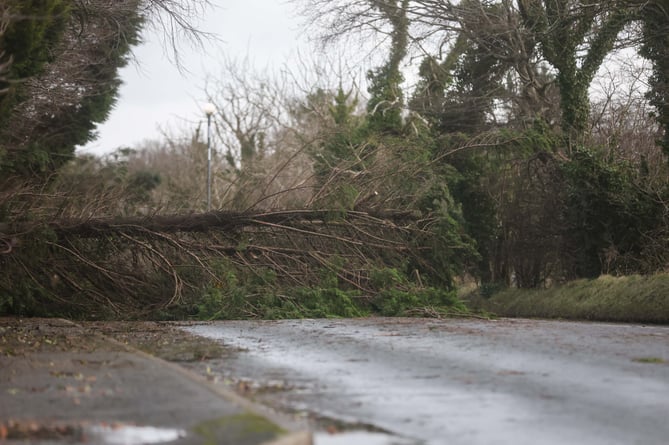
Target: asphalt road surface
{"type": "Point", "coordinates": [464, 381]}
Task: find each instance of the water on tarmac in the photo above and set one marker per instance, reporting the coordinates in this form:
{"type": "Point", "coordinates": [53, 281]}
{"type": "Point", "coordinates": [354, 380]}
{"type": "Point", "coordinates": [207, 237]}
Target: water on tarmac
{"type": "Point", "coordinates": [463, 381]}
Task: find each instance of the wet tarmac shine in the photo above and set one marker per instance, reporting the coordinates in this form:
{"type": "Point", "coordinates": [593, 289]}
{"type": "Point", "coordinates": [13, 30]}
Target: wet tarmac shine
{"type": "Point", "coordinates": [464, 381]}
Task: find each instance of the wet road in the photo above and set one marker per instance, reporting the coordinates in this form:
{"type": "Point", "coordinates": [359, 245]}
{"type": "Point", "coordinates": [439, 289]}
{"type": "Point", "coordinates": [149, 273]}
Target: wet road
{"type": "Point", "coordinates": [464, 381]}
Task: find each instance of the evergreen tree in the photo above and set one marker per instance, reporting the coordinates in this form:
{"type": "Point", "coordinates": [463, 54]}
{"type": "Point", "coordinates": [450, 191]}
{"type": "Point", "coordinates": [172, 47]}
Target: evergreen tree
{"type": "Point", "coordinates": [73, 53]}
{"type": "Point", "coordinates": [345, 137]}
{"type": "Point", "coordinates": [35, 27]}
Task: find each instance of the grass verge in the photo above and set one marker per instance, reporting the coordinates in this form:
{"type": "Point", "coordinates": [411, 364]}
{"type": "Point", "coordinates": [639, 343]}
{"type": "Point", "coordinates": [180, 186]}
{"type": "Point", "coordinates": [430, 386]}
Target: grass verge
{"type": "Point", "coordinates": [634, 298]}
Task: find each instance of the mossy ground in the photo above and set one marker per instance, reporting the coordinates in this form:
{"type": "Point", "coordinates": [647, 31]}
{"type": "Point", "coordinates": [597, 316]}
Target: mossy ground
{"type": "Point", "coordinates": [238, 429]}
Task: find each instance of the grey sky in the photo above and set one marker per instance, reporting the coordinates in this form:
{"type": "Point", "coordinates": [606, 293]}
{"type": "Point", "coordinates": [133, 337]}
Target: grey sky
{"type": "Point", "coordinates": [156, 96]}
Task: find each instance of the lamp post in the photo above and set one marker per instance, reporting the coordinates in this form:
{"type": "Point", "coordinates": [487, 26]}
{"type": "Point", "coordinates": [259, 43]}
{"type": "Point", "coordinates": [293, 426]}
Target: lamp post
{"type": "Point", "coordinates": [209, 109]}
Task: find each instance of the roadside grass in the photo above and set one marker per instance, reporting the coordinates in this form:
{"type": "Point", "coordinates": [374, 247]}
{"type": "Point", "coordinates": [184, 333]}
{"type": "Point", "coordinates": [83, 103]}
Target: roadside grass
{"type": "Point", "coordinates": [633, 298]}
{"type": "Point", "coordinates": [652, 360]}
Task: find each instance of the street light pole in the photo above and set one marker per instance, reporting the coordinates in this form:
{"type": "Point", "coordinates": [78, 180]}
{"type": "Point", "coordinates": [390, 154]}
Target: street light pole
{"type": "Point", "coordinates": [209, 110]}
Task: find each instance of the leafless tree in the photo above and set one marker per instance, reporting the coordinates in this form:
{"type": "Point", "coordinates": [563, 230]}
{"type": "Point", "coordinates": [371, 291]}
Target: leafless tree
{"type": "Point", "coordinates": [176, 22]}
{"type": "Point", "coordinates": [622, 115]}
{"type": "Point", "coordinates": [267, 124]}
{"type": "Point", "coordinates": [250, 109]}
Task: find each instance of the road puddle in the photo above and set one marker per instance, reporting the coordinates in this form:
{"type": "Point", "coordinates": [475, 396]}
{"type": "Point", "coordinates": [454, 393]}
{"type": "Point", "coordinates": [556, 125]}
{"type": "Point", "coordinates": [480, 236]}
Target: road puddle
{"type": "Point", "coordinates": [360, 438]}
{"type": "Point", "coordinates": [131, 435]}
{"type": "Point", "coordinates": [85, 432]}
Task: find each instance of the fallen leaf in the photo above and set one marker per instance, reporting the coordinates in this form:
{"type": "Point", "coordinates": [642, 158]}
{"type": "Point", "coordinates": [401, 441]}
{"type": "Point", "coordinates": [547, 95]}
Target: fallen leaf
{"type": "Point", "coordinates": [243, 387]}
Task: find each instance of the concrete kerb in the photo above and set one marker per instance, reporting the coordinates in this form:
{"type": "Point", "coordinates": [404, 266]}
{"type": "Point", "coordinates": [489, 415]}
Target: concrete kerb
{"type": "Point", "coordinates": [297, 433]}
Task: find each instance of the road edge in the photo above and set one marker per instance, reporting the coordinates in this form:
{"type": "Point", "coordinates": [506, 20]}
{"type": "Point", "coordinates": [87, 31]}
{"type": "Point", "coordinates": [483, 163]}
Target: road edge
{"type": "Point", "coordinates": [297, 434]}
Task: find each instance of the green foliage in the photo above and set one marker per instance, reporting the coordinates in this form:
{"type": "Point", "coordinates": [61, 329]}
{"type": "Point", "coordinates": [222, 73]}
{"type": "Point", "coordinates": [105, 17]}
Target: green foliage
{"type": "Point", "coordinates": [536, 217]}
{"type": "Point", "coordinates": [575, 42]}
{"type": "Point", "coordinates": [386, 97]}
{"type": "Point", "coordinates": [387, 278]}
{"type": "Point", "coordinates": [395, 302]}
{"type": "Point", "coordinates": [487, 290]}
{"type": "Point", "coordinates": [477, 81]}
{"type": "Point", "coordinates": [345, 145]}
{"type": "Point", "coordinates": [236, 295]}
{"type": "Point", "coordinates": [260, 298]}
{"type": "Point", "coordinates": [329, 302]}
{"type": "Point", "coordinates": [26, 286]}
{"type": "Point", "coordinates": [28, 42]}
{"type": "Point", "coordinates": [449, 248]}
{"type": "Point", "coordinates": [343, 109]}
{"type": "Point", "coordinates": [479, 210]}
{"type": "Point", "coordinates": [606, 210]}
{"type": "Point", "coordinates": [434, 79]}
{"type": "Point", "coordinates": [39, 146]}
{"type": "Point", "coordinates": [385, 101]}
{"type": "Point", "coordinates": [458, 93]}
{"type": "Point", "coordinates": [398, 296]}
{"type": "Point", "coordinates": [505, 205]}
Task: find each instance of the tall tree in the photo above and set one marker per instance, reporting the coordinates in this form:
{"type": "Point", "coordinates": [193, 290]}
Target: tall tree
{"type": "Point", "coordinates": [61, 60]}
{"type": "Point", "coordinates": [29, 32]}
{"type": "Point", "coordinates": [386, 101]}
{"type": "Point", "coordinates": [67, 82]}
{"type": "Point", "coordinates": [575, 37]}
{"type": "Point", "coordinates": [655, 47]}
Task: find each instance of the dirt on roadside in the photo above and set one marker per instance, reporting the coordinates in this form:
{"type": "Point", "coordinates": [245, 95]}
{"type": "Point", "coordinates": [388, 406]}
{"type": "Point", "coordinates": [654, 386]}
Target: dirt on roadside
{"type": "Point", "coordinates": [23, 336]}
{"type": "Point", "coordinates": [161, 339]}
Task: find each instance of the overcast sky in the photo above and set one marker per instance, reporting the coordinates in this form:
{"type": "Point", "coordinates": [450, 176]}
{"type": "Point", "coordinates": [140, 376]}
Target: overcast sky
{"type": "Point", "coordinates": [156, 96]}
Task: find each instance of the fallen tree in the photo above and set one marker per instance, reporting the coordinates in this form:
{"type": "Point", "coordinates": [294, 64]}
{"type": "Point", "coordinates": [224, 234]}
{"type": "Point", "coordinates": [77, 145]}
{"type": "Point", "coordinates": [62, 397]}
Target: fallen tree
{"type": "Point", "coordinates": [136, 266]}
{"type": "Point", "coordinates": [223, 220]}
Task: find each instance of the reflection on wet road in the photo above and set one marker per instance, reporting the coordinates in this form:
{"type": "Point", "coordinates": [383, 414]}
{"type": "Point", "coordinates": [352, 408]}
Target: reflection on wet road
{"type": "Point", "coordinates": [464, 381]}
